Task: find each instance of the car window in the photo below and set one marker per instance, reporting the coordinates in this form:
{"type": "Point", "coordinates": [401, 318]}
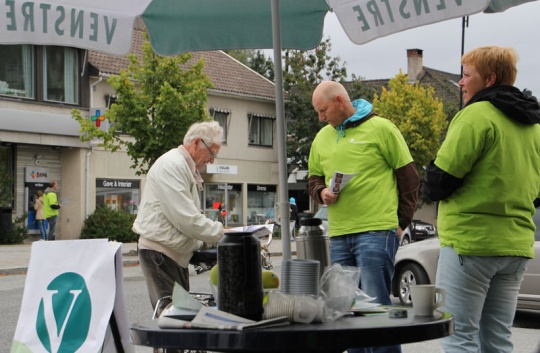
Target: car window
{"type": "Point", "coordinates": [322, 213]}
{"type": "Point", "coordinates": [536, 219]}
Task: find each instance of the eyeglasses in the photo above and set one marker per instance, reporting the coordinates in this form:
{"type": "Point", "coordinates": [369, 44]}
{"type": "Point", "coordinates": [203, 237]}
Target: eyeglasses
{"type": "Point", "coordinates": [209, 150]}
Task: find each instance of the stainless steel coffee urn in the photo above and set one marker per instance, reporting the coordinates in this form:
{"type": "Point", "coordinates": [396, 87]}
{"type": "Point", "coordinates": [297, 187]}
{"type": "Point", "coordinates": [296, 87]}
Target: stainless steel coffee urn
{"type": "Point", "coordinates": [313, 243]}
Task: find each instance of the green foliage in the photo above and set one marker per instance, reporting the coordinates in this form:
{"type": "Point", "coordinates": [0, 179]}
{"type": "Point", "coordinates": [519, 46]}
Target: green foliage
{"type": "Point", "coordinates": [159, 98]}
{"type": "Point", "coordinates": [6, 186]}
{"type": "Point", "coordinates": [261, 64]}
{"type": "Point", "coordinates": [111, 224]}
{"type": "Point", "coordinates": [418, 115]}
{"type": "Point", "coordinates": [303, 71]}
{"type": "Point", "coordinates": [17, 233]}
{"type": "Point", "coordinates": [255, 60]}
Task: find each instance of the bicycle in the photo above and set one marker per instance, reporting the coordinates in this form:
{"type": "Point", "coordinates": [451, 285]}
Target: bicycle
{"type": "Point", "coordinates": [204, 260]}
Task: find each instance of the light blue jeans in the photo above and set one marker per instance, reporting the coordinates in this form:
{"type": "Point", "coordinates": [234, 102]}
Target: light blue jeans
{"type": "Point", "coordinates": [41, 223]}
{"type": "Point", "coordinates": [374, 253]}
{"type": "Point", "coordinates": [481, 294]}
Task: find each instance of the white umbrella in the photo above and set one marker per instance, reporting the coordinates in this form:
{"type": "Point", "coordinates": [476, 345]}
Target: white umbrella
{"type": "Point", "coordinates": [176, 26]}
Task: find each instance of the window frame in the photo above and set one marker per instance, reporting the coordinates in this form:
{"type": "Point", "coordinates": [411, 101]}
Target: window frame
{"type": "Point", "coordinates": [225, 115]}
{"type": "Point", "coordinates": [80, 72]}
{"type": "Point", "coordinates": [260, 119]}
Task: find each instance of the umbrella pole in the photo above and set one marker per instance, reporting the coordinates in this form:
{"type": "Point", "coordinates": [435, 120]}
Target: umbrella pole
{"type": "Point", "coordinates": [464, 24]}
{"type": "Point", "coordinates": [284, 207]}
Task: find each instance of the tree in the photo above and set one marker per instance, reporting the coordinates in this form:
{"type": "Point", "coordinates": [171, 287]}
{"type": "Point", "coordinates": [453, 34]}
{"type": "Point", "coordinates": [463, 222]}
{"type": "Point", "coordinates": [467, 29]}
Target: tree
{"type": "Point", "coordinates": [303, 71]}
{"type": "Point", "coordinates": [158, 99]}
{"type": "Point", "coordinates": [417, 114]}
{"type": "Point", "coordinates": [255, 60]}
{"type": "Point", "coordinates": [262, 64]}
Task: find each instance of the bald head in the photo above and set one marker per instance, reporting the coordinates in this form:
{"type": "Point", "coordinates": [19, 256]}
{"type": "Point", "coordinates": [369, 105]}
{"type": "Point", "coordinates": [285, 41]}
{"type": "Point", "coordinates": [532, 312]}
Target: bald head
{"type": "Point", "coordinates": [331, 100]}
{"type": "Point", "coordinates": [330, 90]}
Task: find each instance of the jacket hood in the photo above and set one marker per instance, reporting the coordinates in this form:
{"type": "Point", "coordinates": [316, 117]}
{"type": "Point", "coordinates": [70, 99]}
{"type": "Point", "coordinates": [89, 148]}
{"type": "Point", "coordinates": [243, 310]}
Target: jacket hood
{"type": "Point", "coordinates": [511, 101]}
{"type": "Point", "coordinates": [363, 109]}
{"type": "Point", "coordinates": [48, 190]}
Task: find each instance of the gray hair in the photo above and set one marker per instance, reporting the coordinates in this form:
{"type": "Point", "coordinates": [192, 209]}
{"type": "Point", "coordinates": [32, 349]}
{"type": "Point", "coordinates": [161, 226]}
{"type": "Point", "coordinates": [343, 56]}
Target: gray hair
{"type": "Point", "coordinates": [209, 131]}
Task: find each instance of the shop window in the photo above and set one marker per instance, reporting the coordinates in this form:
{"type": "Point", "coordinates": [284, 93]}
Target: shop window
{"type": "Point", "coordinates": [261, 129]}
{"type": "Point", "coordinates": [118, 194]}
{"type": "Point", "coordinates": [223, 202]}
{"type": "Point", "coordinates": [261, 202]}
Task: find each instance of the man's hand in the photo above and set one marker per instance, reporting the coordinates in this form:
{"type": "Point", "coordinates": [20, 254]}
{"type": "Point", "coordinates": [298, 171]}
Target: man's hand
{"type": "Point", "coordinates": [328, 197]}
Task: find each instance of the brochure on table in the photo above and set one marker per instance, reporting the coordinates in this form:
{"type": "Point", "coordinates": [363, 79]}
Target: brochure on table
{"type": "Point", "coordinates": [214, 319]}
{"type": "Point", "coordinates": [257, 230]}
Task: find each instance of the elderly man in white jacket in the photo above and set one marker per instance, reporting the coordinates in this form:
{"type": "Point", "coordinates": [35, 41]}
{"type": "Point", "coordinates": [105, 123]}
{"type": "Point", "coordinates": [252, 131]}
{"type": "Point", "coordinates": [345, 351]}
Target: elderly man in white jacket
{"type": "Point", "coordinates": [169, 222]}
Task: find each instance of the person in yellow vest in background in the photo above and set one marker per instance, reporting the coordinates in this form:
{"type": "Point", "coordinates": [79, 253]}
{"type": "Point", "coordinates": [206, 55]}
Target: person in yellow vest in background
{"type": "Point", "coordinates": [51, 207]}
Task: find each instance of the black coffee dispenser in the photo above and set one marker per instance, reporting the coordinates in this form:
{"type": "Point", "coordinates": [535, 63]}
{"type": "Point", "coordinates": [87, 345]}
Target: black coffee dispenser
{"type": "Point", "coordinates": [240, 290]}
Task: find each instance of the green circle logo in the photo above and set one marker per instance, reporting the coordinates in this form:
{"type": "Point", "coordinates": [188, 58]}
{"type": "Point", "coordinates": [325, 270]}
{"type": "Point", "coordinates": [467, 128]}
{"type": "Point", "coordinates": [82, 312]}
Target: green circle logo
{"type": "Point", "coordinates": [64, 314]}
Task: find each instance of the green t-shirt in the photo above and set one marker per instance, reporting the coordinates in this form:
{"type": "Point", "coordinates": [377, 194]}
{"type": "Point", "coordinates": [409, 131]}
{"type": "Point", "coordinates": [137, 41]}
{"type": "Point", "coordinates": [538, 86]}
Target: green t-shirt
{"type": "Point", "coordinates": [498, 158]}
{"type": "Point", "coordinates": [49, 199]}
{"type": "Point", "coordinates": [374, 149]}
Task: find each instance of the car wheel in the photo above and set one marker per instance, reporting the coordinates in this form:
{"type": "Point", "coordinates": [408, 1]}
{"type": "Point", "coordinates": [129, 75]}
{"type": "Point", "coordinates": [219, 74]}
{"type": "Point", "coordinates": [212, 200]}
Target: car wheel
{"type": "Point", "coordinates": [405, 240]}
{"type": "Point", "coordinates": [410, 274]}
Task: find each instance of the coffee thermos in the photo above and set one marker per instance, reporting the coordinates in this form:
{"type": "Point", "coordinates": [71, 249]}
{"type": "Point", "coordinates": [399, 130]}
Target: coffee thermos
{"type": "Point", "coordinates": [312, 242]}
{"type": "Point", "coordinates": [240, 290]}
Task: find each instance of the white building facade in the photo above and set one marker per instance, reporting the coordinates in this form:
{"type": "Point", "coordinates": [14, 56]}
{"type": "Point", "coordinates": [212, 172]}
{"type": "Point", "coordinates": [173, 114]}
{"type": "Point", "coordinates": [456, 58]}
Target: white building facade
{"type": "Point", "coordinates": [39, 87]}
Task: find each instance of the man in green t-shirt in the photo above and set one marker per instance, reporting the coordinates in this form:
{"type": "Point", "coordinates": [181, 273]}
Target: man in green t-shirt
{"type": "Point", "coordinates": [367, 214]}
{"type": "Point", "coordinates": [51, 207]}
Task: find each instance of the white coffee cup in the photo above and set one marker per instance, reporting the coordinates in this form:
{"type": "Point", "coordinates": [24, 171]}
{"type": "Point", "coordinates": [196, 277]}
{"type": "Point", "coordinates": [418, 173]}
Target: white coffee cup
{"type": "Point", "coordinates": [279, 304]}
{"type": "Point", "coordinates": [426, 298]}
{"type": "Point", "coordinates": [298, 308]}
{"type": "Point", "coordinates": [307, 309]}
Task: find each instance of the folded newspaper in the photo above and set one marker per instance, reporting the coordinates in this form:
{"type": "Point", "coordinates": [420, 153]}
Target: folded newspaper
{"type": "Point", "coordinates": [211, 318]}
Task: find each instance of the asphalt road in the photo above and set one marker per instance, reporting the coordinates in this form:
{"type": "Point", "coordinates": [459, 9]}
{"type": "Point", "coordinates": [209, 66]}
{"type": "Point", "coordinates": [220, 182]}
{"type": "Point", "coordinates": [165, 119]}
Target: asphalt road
{"type": "Point", "coordinates": [525, 332]}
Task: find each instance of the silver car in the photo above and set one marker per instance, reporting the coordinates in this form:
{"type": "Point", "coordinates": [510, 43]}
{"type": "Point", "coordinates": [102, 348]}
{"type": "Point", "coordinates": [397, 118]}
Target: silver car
{"type": "Point", "coordinates": [417, 264]}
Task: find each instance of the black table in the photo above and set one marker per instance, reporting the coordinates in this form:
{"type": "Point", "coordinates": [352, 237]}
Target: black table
{"type": "Point", "coordinates": [337, 336]}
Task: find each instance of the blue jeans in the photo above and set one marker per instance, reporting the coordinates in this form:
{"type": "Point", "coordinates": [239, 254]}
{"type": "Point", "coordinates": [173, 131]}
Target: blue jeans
{"type": "Point", "coordinates": [42, 228]}
{"type": "Point", "coordinates": [374, 253]}
{"type": "Point", "coordinates": [481, 294]}
{"type": "Point", "coordinates": [52, 226]}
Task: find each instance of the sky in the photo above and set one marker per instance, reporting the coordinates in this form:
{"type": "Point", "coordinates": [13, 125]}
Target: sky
{"type": "Point", "coordinates": [382, 58]}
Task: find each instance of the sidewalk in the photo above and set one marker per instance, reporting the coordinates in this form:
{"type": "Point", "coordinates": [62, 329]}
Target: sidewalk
{"type": "Point", "coordinates": [14, 259]}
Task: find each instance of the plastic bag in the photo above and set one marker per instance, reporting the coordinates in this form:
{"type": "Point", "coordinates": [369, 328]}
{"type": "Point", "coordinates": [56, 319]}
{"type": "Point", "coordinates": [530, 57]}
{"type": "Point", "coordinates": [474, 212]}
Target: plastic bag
{"type": "Point", "coordinates": [339, 290]}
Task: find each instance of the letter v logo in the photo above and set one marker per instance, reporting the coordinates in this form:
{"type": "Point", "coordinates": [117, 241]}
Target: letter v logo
{"type": "Point", "coordinates": [64, 314]}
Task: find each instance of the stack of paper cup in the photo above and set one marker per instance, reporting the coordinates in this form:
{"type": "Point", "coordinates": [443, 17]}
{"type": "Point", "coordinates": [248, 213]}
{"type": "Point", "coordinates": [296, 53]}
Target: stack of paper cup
{"type": "Point", "coordinates": [300, 276]}
{"type": "Point", "coordinates": [297, 308]}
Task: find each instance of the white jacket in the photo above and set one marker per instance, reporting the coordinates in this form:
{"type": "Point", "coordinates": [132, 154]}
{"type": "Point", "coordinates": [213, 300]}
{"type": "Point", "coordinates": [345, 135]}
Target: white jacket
{"type": "Point", "coordinates": [169, 219]}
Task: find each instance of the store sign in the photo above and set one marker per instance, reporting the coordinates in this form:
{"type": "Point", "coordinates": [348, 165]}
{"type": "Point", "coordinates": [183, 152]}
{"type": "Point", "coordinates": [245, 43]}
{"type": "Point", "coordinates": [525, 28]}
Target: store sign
{"type": "Point", "coordinates": [221, 187]}
{"type": "Point", "coordinates": [118, 183]}
{"type": "Point", "coordinates": [262, 188]}
{"type": "Point", "coordinates": [37, 175]}
{"type": "Point", "coordinates": [221, 169]}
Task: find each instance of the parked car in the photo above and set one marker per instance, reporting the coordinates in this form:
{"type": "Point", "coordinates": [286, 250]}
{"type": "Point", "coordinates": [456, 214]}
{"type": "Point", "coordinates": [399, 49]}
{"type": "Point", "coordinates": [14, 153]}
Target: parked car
{"type": "Point", "coordinates": [418, 230]}
{"type": "Point", "coordinates": [417, 264]}
{"type": "Point", "coordinates": [322, 213]}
